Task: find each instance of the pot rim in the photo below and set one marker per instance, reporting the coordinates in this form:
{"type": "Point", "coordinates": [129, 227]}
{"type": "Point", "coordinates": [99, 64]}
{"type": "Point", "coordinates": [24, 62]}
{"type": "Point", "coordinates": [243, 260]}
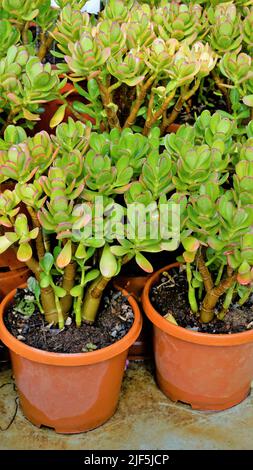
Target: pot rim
{"type": "Point", "coordinates": [72, 359]}
{"type": "Point", "coordinates": [234, 339]}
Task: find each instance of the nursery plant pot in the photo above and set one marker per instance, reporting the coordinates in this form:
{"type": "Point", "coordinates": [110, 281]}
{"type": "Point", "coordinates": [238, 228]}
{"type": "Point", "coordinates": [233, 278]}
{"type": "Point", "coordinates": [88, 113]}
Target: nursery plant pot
{"type": "Point", "coordinates": [71, 393]}
{"type": "Point", "coordinates": [142, 347]}
{"type": "Point", "coordinates": [207, 371]}
{"type": "Point", "coordinates": [9, 280]}
{"type": "Point", "coordinates": [8, 259]}
{"type": "Point", "coordinates": [52, 106]}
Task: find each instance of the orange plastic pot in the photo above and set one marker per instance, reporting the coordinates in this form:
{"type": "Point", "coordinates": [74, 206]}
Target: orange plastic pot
{"type": "Point", "coordinates": [52, 106]}
{"type": "Point", "coordinates": [142, 347]}
{"type": "Point", "coordinates": [71, 393]}
{"type": "Point", "coordinates": [9, 260]}
{"type": "Point", "coordinates": [9, 280]}
{"type": "Point", "coordinates": [207, 371]}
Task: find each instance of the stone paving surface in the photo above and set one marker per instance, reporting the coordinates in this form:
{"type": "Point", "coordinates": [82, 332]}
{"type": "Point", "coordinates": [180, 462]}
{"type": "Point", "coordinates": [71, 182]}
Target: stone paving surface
{"type": "Point", "coordinates": [145, 420]}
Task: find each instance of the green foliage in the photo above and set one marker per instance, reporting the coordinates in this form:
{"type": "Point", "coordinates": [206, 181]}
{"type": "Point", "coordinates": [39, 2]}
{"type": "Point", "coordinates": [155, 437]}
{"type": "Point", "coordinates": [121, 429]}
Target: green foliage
{"type": "Point", "coordinates": [25, 84]}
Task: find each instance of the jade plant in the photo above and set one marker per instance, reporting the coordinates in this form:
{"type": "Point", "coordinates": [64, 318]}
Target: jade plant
{"type": "Point", "coordinates": [136, 63]}
{"type": "Point", "coordinates": [92, 202]}
{"type": "Point", "coordinates": [214, 171]}
{"type": "Point", "coordinates": [143, 62]}
{"type": "Point", "coordinates": [31, 23]}
{"type": "Point", "coordinates": [25, 85]}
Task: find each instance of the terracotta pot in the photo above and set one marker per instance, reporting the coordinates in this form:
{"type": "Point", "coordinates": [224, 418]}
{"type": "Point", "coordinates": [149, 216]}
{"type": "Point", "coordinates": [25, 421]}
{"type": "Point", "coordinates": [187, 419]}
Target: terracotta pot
{"type": "Point", "coordinates": [9, 280]}
{"type": "Point", "coordinates": [52, 106]}
{"type": "Point", "coordinates": [71, 393]}
{"type": "Point", "coordinates": [142, 348]}
{"type": "Point", "coordinates": [4, 357]}
{"type": "Point", "coordinates": [134, 285]}
{"type": "Point", "coordinates": [9, 260]}
{"type": "Point", "coordinates": [208, 371]}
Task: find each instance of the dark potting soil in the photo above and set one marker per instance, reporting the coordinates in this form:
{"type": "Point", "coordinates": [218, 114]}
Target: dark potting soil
{"type": "Point", "coordinates": [210, 98]}
{"type": "Point", "coordinates": [170, 295]}
{"type": "Point", "coordinates": [113, 322]}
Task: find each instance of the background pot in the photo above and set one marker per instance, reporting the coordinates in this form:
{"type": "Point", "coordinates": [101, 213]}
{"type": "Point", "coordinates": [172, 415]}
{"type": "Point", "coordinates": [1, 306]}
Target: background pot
{"type": "Point", "coordinates": [142, 348]}
{"type": "Point", "coordinates": [69, 392]}
{"type": "Point", "coordinates": [52, 106]}
{"type": "Point", "coordinates": [9, 280]}
{"type": "Point", "coordinates": [208, 371]}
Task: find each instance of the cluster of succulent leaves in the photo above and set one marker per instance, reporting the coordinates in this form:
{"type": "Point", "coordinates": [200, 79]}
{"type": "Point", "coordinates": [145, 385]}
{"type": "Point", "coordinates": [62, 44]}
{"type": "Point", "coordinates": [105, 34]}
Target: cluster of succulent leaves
{"type": "Point", "coordinates": [25, 84]}
{"type": "Point", "coordinates": [78, 179]}
{"type": "Point", "coordinates": [64, 181]}
{"type": "Point", "coordinates": [215, 169]}
{"type": "Point", "coordinates": [136, 67]}
{"type": "Point", "coordinates": [139, 64]}
{"type": "Point", "coordinates": [141, 58]}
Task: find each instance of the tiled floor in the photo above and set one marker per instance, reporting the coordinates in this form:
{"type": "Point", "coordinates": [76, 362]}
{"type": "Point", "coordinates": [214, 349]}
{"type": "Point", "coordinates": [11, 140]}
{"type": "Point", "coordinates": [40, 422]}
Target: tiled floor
{"type": "Point", "coordinates": [145, 420]}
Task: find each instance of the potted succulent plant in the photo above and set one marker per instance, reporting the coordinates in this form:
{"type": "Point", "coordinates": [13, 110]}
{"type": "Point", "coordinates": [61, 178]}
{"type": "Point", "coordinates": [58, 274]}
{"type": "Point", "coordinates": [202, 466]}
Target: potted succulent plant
{"type": "Point", "coordinates": [141, 64]}
{"type": "Point", "coordinates": [29, 27]}
{"type": "Point", "coordinates": [201, 307]}
{"type": "Point", "coordinates": [25, 85]}
{"type": "Point", "coordinates": [147, 64]}
{"type": "Point", "coordinates": [70, 184]}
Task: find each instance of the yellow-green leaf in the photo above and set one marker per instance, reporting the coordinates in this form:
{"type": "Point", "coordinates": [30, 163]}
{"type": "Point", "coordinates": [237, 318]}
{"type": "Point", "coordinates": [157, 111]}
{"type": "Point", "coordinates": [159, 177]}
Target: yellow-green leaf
{"type": "Point", "coordinates": [58, 116]}
{"type": "Point", "coordinates": [64, 258]}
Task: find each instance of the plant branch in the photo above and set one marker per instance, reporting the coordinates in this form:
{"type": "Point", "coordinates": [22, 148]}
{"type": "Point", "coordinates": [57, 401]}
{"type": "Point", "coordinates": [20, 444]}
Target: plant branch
{"type": "Point", "coordinates": [138, 102]}
{"type": "Point", "coordinates": [204, 271]}
{"type": "Point", "coordinates": [107, 100]}
{"type": "Point", "coordinates": [40, 248]}
{"type": "Point", "coordinates": [185, 95]}
{"type": "Point", "coordinates": [45, 43]}
{"type": "Point", "coordinates": [24, 32]}
{"type": "Point", "coordinates": [92, 298]}
{"type": "Point", "coordinates": [158, 114]}
{"type": "Point", "coordinates": [212, 297]}
{"type": "Point", "coordinates": [67, 284]}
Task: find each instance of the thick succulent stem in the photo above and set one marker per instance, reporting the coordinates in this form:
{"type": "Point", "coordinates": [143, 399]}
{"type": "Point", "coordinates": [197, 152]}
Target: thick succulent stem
{"type": "Point", "coordinates": [92, 299]}
{"type": "Point", "coordinates": [24, 32]}
{"type": "Point", "coordinates": [40, 248]}
{"type": "Point", "coordinates": [212, 297]}
{"type": "Point", "coordinates": [204, 271]}
{"type": "Point", "coordinates": [59, 313]}
{"type": "Point", "coordinates": [107, 100]}
{"type": "Point", "coordinates": [150, 122]}
{"type": "Point", "coordinates": [191, 290]}
{"type": "Point", "coordinates": [227, 302]}
{"type": "Point", "coordinates": [184, 96]}
{"type": "Point", "coordinates": [33, 265]}
{"type": "Point", "coordinates": [150, 106]}
{"type": "Point", "coordinates": [138, 102]}
{"type": "Point", "coordinates": [219, 275]}
{"type": "Point", "coordinates": [67, 284]}
{"type": "Point", "coordinates": [49, 305]}
{"type": "Point", "coordinates": [45, 43]}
